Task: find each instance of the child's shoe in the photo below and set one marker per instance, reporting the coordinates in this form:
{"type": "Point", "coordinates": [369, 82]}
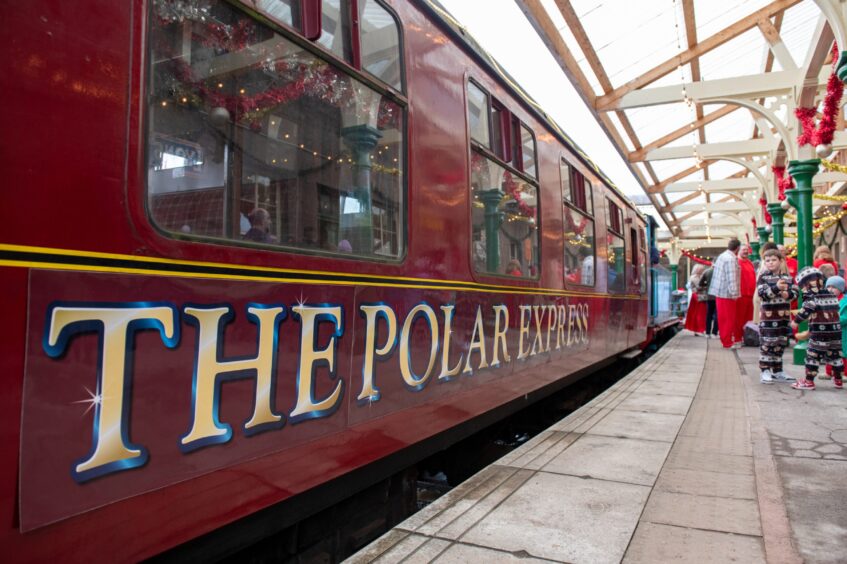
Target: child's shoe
{"type": "Point", "coordinates": [767, 376]}
{"type": "Point", "coordinates": [783, 377]}
{"type": "Point", "coordinates": [839, 383]}
{"type": "Point", "coordinates": [803, 384]}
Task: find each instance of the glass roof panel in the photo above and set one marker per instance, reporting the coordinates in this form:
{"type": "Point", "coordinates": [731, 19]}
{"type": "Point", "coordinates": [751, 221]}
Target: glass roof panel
{"type": "Point", "coordinates": [614, 26]}
{"type": "Point", "coordinates": [732, 127]}
{"type": "Point", "coordinates": [798, 28]}
{"type": "Point", "coordinates": [713, 16]}
{"type": "Point", "coordinates": [741, 56]}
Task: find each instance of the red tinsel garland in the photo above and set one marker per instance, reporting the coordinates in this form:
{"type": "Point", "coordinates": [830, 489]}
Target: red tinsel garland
{"type": "Point", "coordinates": [698, 260]}
{"type": "Point", "coordinates": [783, 182]}
{"type": "Point", "coordinates": [825, 131]}
{"type": "Point", "coordinates": [764, 203]}
{"type": "Point", "coordinates": [511, 188]}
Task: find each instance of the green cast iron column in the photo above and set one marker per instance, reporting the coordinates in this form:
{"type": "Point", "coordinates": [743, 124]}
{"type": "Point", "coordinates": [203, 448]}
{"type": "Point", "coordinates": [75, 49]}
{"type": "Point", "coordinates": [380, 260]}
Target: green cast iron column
{"type": "Point", "coordinates": [755, 245]}
{"type": "Point", "coordinates": [674, 277]}
{"type": "Point", "coordinates": [763, 235]}
{"type": "Point", "coordinates": [801, 198]}
{"type": "Point", "coordinates": [777, 214]}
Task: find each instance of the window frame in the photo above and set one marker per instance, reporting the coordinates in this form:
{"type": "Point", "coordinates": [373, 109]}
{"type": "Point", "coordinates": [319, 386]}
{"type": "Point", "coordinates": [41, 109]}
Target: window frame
{"type": "Point", "coordinates": [566, 169]}
{"type": "Point", "coordinates": [297, 28]}
{"type": "Point", "coordinates": [488, 152]}
{"type": "Point", "coordinates": [295, 36]}
{"type": "Point", "coordinates": [610, 206]}
{"type": "Point", "coordinates": [588, 194]}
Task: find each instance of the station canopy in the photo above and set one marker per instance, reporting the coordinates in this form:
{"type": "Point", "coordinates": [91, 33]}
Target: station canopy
{"type": "Point", "coordinates": [699, 98]}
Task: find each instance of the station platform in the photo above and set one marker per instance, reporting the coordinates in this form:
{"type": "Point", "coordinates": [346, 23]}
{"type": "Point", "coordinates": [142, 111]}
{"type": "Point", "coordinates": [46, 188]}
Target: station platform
{"type": "Point", "coordinates": [686, 459]}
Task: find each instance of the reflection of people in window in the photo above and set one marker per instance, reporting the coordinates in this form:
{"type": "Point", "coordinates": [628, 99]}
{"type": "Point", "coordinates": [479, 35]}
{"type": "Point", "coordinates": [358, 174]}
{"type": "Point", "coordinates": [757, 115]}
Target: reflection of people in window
{"type": "Point", "coordinates": [514, 268]}
{"type": "Point", "coordinates": [587, 269]}
{"type": "Point", "coordinates": [479, 254]}
{"type": "Point", "coordinates": [260, 223]}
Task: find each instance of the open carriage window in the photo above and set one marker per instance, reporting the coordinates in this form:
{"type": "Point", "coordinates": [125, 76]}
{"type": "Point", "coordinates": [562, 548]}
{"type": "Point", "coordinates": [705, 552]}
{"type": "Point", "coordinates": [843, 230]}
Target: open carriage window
{"type": "Point", "coordinates": [253, 139]}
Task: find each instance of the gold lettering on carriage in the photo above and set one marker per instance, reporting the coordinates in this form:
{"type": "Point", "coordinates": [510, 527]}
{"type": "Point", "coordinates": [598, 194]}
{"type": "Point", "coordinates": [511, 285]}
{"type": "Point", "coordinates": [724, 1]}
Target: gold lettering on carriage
{"type": "Point", "coordinates": [422, 344]}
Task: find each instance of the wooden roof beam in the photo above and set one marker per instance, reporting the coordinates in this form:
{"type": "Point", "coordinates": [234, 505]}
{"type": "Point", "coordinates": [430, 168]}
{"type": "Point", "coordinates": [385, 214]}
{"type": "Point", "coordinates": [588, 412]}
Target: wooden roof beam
{"type": "Point", "coordinates": [639, 154]}
{"type": "Point", "coordinates": [658, 188]}
{"type": "Point", "coordinates": [608, 101]}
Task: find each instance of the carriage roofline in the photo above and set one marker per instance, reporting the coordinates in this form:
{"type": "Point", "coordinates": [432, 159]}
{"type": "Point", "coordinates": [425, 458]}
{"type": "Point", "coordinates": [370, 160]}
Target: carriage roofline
{"type": "Point", "coordinates": [466, 40]}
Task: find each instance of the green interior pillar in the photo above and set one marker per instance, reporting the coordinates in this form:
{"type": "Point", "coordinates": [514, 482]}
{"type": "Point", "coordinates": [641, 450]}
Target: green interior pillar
{"type": "Point", "coordinates": [763, 235]}
{"type": "Point", "coordinates": [493, 220]}
{"type": "Point", "coordinates": [674, 277]}
{"type": "Point", "coordinates": [755, 246]}
{"type": "Point", "coordinates": [801, 198]}
{"type": "Point", "coordinates": [777, 215]}
{"type": "Point", "coordinates": [362, 140]}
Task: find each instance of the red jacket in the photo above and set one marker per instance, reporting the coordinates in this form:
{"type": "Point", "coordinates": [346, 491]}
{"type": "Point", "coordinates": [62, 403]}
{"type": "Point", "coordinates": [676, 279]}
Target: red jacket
{"type": "Point", "coordinates": [791, 263]}
{"type": "Point", "coordinates": [748, 278]}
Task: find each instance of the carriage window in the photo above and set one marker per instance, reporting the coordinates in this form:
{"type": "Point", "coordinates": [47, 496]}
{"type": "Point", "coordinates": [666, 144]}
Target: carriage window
{"type": "Point", "coordinates": [335, 28]}
{"type": "Point", "coordinates": [579, 247]}
{"type": "Point", "coordinates": [616, 262]}
{"type": "Point", "coordinates": [380, 42]}
{"type": "Point", "coordinates": [527, 151]}
{"type": "Point", "coordinates": [504, 232]}
{"type": "Point", "coordinates": [576, 188]}
{"type": "Point", "coordinates": [478, 113]}
{"type": "Point", "coordinates": [253, 139]}
{"type": "Point", "coordinates": [642, 268]}
{"type": "Point", "coordinates": [615, 217]}
{"type": "Point", "coordinates": [283, 11]}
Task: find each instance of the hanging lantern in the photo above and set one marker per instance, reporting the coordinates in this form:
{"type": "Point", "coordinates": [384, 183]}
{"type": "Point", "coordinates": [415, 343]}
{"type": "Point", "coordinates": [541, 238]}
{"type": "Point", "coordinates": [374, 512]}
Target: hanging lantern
{"type": "Point", "coordinates": [823, 150]}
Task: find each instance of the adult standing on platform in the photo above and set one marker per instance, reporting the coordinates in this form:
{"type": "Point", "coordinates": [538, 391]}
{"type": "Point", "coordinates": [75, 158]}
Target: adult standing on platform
{"type": "Point", "coordinates": [824, 256]}
{"type": "Point", "coordinates": [726, 287]}
{"type": "Point", "coordinates": [744, 305]}
{"type": "Point", "coordinates": [695, 318]}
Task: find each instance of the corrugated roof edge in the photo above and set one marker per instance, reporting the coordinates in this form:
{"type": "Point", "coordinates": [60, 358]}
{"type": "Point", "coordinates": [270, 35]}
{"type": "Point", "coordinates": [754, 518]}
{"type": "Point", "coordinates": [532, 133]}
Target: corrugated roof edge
{"type": "Point", "coordinates": [440, 13]}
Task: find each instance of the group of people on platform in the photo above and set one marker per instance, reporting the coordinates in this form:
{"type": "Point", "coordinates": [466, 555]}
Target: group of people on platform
{"type": "Point", "coordinates": [722, 303]}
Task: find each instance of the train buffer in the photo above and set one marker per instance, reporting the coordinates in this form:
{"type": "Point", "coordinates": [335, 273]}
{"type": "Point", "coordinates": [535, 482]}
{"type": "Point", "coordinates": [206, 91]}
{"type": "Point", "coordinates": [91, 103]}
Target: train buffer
{"type": "Point", "coordinates": [687, 459]}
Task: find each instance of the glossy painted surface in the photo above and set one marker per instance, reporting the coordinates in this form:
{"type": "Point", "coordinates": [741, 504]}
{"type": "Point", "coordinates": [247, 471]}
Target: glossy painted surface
{"type": "Point", "coordinates": [73, 157]}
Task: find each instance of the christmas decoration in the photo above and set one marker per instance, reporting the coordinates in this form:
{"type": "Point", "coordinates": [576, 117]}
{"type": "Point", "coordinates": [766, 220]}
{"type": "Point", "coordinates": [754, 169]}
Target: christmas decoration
{"type": "Point", "coordinates": [823, 150]}
{"type": "Point", "coordinates": [219, 116]}
{"type": "Point", "coordinates": [763, 202]}
{"type": "Point", "coordinates": [783, 182]}
{"type": "Point", "coordinates": [698, 259]}
{"type": "Point", "coordinates": [768, 228]}
{"type": "Point", "coordinates": [823, 135]}
{"type": "Point", "coordinates": [785, 205]}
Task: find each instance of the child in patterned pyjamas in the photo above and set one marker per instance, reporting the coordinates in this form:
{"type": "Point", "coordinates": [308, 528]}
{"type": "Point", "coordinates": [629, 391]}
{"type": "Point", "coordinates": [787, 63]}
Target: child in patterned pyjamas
{"type": "Point", "coordinates": [776, 290]}
{"type": "Point", "coordinates": [820, 308]}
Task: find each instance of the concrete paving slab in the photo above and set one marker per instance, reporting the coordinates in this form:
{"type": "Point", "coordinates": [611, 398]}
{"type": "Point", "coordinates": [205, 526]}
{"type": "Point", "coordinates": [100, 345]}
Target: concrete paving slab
{"type": "Point", "coordinates": [654, 543]}
{"type": "Point", "coordinates": [685, 455]}
{"type": "Point", "coordinates": [452, 525]}
{"type": "Point", "coordinates": [635, 461]}
{"type": "Point", "coordinates": [425, 554]}
{"type": "Point", "coordinates": [816, 498]}
{"type": "Point", "coordinates": [386, 544]}
{"type": "Point", "coordinates": [704, 512]}
{"type": "Point", "coordinates": [639, 425]}
{"type": "Point", "coordinates": [539, 445]}
{"type": "Point", "coordinates": [687, 389]}
{"type": "Point", "coordinates": [679, 374]}
{"type": "Point", "coordinates": [463, 553]}
{"type": "Point", "coordinates": [592, 523]}
{"type": "Point", "coordinates": [701, 482]}
{"type": "Point", "coordinates": [654, 403]}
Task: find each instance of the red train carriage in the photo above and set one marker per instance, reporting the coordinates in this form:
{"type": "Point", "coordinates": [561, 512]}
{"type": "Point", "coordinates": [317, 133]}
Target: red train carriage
{"type": "Point", "coordinates": [251, 249]}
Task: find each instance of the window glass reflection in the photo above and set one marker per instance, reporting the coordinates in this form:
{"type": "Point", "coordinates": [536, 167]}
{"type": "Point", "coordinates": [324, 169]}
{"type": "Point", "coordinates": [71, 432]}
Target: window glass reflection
{"type": "Point", "coordinates": [252, 139]}
{"type": "Point", "coordinates": [579, 247]}
{"type": "Point", "coordinates": [505, 231]}
{"type": "Point", "coordinates": [380, 43]}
